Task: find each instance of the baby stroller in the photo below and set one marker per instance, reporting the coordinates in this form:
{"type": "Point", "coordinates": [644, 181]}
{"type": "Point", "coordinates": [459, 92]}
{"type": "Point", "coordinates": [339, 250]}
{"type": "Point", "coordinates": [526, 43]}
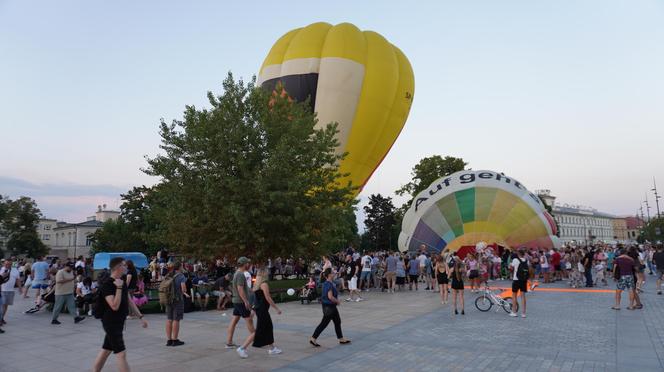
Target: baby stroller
{"type": "Point", "coordinates": [308, 294]}
{"type": "Point", "coordinates": [48, 298]}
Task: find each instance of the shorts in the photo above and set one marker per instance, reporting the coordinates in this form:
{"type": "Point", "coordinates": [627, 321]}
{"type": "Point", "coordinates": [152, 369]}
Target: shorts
{"type": "Point", "coordinates": [39, 284]}
{"type": "Point", "coordinates": [202, 293]}
{"type": "Point", "coordinates": [401, 280]}
{"type": "Point", "coordinates": [660, 273]}
{"type": "Point", "coordinates": [241, 310]}
{"type": "Point", "coordinates": [413, 278]}
{"type": "Point", "coordinates": [175, 311]}
{"type": "Point", "coordinates": [113, 340]}
{"type": "Point", "coordinates": [219, 294]}
{"type": "Point", "coordinates": [365, 275]}
{"type": "Point", "coordinates": [625, 282]}
{"type": "Point", "coordinates": [557, 267]}
{"type": "Point", "coordinates": [545, 270]}
{"type": "Point", "coordinates": [520, 285]}
{"type": "Point", "coordinates": [390, 275]}
{"type": "Point", "coordinates": [352, 283]}
{"type": "Point", "coordinates": [457, 284]}
{"type": "Point", "coordinates": [442, 278]}
{"type": "Point", "coordinates": [473, 274]}
{"type": "Point", "coordinates": [7, 297]}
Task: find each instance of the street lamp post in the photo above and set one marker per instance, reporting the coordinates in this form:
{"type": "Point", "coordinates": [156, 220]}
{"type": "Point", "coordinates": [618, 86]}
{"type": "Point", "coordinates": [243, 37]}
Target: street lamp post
{"type": "Point", "coordinates": [657, 197]}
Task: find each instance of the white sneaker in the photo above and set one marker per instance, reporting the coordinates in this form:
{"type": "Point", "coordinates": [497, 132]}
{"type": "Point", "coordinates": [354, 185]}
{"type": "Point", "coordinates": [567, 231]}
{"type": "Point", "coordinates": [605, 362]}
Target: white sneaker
{"type": "Point", "coordinates": [358, 299]}
{"type": "Point", "coordinates": [242, 353]}
{"type": "Point", "coordinates": [90, 312]}
{"type": "Point", "coordinates": [523, 315]}
{"type": "Point", "coordinates": [349, 299]}
{"type": "Point", "coordinates": [275, 350]}
{"type": "Point", "coordinates": [513, 315]}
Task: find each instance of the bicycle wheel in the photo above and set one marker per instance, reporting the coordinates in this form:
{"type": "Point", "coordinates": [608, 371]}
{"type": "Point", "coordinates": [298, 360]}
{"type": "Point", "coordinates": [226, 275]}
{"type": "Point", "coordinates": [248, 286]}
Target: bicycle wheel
{"type": "Point", "coordinates": [483, 303]}
{"type": "Point", "coordinates": [508, 306]}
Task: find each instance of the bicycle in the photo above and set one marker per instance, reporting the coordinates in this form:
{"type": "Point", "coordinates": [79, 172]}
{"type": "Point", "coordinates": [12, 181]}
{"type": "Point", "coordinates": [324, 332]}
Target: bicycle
{"type": "Point", "coordinates": [488, 298]}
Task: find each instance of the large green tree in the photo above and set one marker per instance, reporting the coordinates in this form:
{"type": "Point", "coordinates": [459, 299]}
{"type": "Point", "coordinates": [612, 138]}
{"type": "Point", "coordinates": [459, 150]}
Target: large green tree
{"type": "Point", "coordinates": [380, 223]}
{"type": "Point", "coordinates": [19, 220]}
{"type": "Point", "coordinates": [249, 176]}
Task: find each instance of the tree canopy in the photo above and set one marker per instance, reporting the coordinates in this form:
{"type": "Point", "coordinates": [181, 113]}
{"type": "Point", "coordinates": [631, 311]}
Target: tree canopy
{"type": "Point", "coordinates": [251, 175]}
{"type": "Point", "coordinates": [19, 220]}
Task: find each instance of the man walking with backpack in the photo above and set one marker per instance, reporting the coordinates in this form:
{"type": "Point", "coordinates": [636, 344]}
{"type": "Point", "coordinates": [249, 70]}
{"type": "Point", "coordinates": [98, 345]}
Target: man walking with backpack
{"type": "Point", "coordinates": [520, 275]}
{"type": "Point", "coordinates": [113, 306]}
{"type": "Point", "coordinates": [172, 292]}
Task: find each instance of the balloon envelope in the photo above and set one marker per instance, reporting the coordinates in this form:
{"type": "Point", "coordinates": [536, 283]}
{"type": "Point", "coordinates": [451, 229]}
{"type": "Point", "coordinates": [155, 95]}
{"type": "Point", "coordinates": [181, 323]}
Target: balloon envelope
{"type": "Point", "coordinates": [470, 207]}
{"type": "Point", "coordinates": [354, 78]}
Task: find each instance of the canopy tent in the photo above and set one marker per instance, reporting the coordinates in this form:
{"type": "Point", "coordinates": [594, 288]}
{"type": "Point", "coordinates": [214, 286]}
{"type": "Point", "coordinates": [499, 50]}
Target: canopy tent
{"type": "Point", "coordinates": [102, 260]}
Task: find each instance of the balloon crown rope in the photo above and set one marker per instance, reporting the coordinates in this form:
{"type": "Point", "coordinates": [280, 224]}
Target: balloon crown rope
{"type": "Point", "coordinates": [470, 178]}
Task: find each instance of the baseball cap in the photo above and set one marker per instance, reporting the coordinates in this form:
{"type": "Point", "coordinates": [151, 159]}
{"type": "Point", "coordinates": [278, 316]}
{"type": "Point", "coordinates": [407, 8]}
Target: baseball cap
{"type": "Point", "coordinates": [243, 260]}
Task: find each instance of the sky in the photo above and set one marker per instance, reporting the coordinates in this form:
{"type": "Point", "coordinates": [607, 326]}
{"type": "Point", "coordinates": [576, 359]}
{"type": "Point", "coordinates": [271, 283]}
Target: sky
{"type": "Point", "coordinates": [561, 95]}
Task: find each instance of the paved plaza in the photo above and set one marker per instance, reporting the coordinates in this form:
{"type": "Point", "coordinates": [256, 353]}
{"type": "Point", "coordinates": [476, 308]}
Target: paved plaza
{"type": "Point", "coordinates": [409, 331]}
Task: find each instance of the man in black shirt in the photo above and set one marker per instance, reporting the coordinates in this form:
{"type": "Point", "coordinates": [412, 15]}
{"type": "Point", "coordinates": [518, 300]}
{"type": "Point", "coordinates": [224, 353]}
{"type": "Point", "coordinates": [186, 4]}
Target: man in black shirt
{"type": "Point", "coordinates": [114, 307]}
{"type": "Point", "coordinates": [658, 259]}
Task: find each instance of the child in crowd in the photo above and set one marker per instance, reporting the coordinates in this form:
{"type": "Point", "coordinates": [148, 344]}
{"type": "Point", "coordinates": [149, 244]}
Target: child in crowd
{"type": "Point", "coordinates": [599, 273]}
{"type": "Point", "coordinates": [139, 298]}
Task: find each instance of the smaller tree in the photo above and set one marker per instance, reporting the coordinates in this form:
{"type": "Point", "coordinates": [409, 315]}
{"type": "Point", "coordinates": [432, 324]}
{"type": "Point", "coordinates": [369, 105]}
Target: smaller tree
{"type": "Point", "coordinates": [428, 170]}
{"type": "Point", "coordinates": [380, 223]}
{"type": "Point", "coordinates": [20, 221]}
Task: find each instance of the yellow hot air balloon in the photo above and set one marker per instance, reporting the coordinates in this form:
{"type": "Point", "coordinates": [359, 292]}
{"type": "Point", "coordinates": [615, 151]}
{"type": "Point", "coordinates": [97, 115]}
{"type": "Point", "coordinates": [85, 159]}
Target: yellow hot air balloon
{"type": "Point", "coordinates": [352, 77]}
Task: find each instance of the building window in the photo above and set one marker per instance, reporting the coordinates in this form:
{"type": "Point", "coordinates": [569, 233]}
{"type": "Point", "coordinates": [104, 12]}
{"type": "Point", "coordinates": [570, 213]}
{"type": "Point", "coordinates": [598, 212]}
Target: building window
{"type": "Point", "coordinates": [47, 227]}
{"type": "Point", "coordinates": [46, 237]}
{"type": "Point", "coordinates": [88, 240]}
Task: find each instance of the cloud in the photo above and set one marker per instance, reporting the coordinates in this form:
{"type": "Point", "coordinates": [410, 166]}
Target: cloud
{"type": "Point", "coordinates": [68, 202]}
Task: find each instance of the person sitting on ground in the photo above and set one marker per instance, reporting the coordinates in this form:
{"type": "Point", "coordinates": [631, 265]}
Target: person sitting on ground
{"type": "Point", "coordinates": [221, 290]}
{"type": "Point", "coordinates": [85, 291]}
{"type": "Point", "coordinates": [202, 292]}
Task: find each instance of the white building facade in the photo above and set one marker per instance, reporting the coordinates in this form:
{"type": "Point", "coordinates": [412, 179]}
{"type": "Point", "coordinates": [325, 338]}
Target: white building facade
{"type": "Point", "coordinates": [74, 239]}
{"type": "Point", "coordinates": [582, 225]}
{"type": "Point", "coordinates": [578, 224]}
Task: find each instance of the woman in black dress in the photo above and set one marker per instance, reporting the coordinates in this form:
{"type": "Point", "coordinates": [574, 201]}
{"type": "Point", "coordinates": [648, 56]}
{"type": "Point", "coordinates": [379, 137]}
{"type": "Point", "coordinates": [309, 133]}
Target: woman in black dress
{"type": "Point", "coordinates": [264, 331]}
{"type": "Point", "coordinates": [456, 274]}
{"type": "Point", "coordinates": [440, 271]}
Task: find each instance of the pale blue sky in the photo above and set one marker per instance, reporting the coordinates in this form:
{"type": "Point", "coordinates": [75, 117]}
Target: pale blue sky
{"type": "Point", "coordinates": [560, 95]}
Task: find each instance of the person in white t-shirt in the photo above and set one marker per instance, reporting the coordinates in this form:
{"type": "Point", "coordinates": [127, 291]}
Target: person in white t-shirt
{"type": "Point", "coordinates": [519, 281]}
{"type": "Point", "coordinates": [8, 287]}
{"type": "Point", "coordinates": [366, 273]}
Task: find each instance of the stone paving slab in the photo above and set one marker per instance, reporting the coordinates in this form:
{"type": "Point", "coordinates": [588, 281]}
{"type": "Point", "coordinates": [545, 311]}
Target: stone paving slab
{"type": "Point", "coordinates": [408, 331]}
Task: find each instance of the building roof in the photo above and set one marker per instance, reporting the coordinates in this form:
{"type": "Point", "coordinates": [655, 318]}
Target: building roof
{"type": "Point", "coordinates": [634, 223]}
{"type": "Point", "coordinates": [581, 212]}
{"type": "Point", "coordinates": [91, 223]}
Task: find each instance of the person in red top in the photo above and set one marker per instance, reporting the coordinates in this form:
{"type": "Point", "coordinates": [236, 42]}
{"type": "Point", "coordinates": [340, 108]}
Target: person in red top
{"type": "Point", "coordinates": [555, 262]}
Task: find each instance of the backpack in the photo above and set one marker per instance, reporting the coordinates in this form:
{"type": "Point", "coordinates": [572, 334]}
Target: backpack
{"type": "Point", "coordinates": [100, 302]}
{"type": "Point", "coordinates": [522, 272]}
{"type": "Point", "coordinates": [167, 290]}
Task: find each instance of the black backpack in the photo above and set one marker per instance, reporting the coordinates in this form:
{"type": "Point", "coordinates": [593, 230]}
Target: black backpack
{"type": "Point", "coordinates": [100, 302]}
{"type": "Point", "coordinates": [522, 272]}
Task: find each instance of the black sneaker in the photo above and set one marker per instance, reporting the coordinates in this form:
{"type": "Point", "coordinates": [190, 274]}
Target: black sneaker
{"type": "Point", "coordinates": [177, 343]}
{"type": "Point", "coordinates": [79, 319]}
{"type": "Point", "coordinates": [169, 343]}
{"type": "Point", "coordinates": [55, 321]}
{"type": "Point", "coordinates": [1, 331]}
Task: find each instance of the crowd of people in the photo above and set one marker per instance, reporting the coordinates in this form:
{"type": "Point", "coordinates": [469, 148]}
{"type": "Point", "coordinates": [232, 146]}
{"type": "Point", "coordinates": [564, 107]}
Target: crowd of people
{"type": "Point", "coordinates": [244, 286]}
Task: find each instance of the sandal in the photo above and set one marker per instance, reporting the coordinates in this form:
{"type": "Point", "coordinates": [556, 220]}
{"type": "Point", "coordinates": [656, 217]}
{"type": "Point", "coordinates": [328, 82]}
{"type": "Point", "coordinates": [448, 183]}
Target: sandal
{"type": "Point", "coordinates": [313, 342]}
{"type": "Point", "coordinates": [631, 308]}
{"type": "Point", "coordinates": [344, 341]}
{"type": "Point", "coordinates": [615, 308]}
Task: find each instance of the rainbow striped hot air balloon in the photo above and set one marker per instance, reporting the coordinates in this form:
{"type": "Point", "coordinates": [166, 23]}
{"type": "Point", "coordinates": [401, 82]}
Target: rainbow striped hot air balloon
{"type": "Point", "coordinates": [468, 207]}
{"type": "Point", "coordinates": [352, 77]}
